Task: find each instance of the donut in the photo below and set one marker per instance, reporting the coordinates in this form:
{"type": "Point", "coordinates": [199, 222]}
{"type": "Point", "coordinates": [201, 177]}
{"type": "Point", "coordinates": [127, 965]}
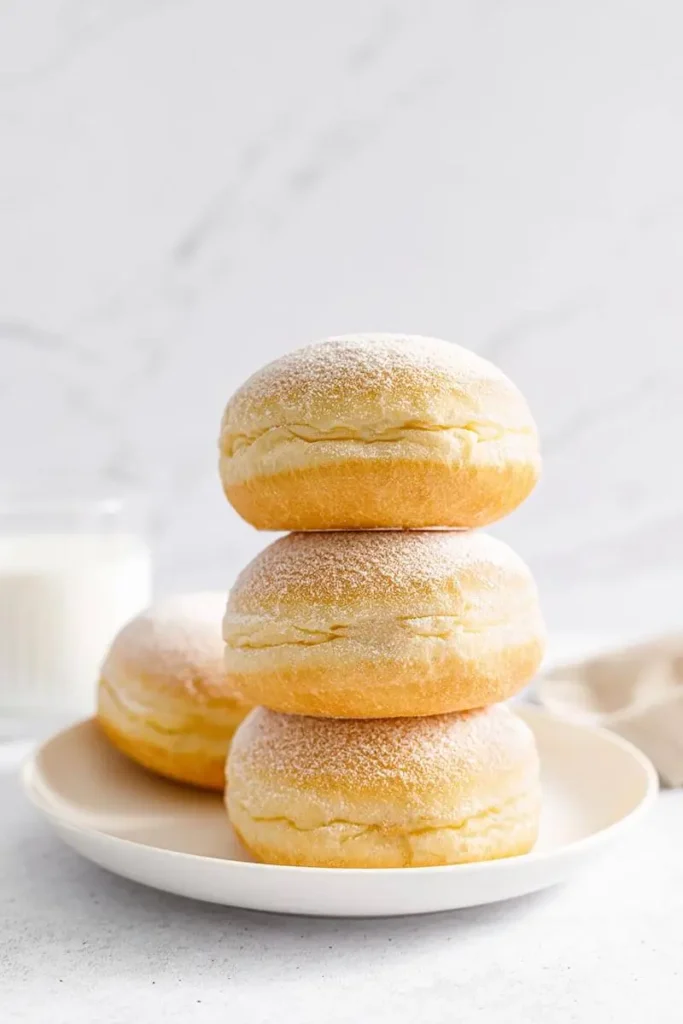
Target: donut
{"type": "Point", "coordinates": [386, 793]}
{"type": "Point", "coordinates": [374, 430]}
{"type": "Point", "coordinates": [163, 698]}
{"type": "Point", "coordinates": [382, 624]}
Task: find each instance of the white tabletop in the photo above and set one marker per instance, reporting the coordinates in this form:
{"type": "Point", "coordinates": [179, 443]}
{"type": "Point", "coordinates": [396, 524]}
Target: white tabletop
{"type": "Point", "coordinates": [78, 944]}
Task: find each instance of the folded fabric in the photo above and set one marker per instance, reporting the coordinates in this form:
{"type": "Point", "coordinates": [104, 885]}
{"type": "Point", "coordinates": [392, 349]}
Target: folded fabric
{"type": "Point", "coordinates": [636, 692]}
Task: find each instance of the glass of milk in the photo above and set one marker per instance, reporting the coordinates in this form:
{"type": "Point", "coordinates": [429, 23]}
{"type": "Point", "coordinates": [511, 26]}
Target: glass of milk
{"type": "Point", "coordinates": [74, 567]}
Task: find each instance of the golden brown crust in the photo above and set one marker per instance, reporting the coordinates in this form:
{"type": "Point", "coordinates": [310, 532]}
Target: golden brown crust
{"type": "Point", "coordinates": [372, 690]}
{"type": "Point", "coordinates": [384, 793]}
{"type": "Point", "coordinates": [195, 768]}
{"type": "Point", "coordinates": [163, 698]}
{"type": "Point", "coordinates": [362, 495]}
{"type": "Point", "coordinates": [378, 431]}
{"type": "Point", "coordinates": [382, 624]}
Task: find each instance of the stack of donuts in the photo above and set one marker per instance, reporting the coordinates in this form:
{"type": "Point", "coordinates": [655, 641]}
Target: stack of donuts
{"type": "Point", "coordinates": [379, 639]}
{"type": "Point", "coordinates": [365, 656]}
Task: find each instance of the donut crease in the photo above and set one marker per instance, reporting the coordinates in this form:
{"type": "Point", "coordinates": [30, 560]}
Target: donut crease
{"type": "Point", "coordinates": [481, 432]}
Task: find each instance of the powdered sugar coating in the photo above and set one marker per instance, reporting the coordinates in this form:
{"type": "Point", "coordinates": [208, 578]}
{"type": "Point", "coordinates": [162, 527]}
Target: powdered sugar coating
{"type": "Point", "coordinates": [178, 640]}
{"type": "Point", "coordinates": [382, 364]}
{"type": "Point", "coordinates": [366, 377]}
{"type": "Point", "coordinates": [346, 567]}
{"type": "Point", "coordinates": [390, 793]}
{"type": "Point", "coordinates": [367, 431]}
{"type": "Point", "coordinates": [414, 755]}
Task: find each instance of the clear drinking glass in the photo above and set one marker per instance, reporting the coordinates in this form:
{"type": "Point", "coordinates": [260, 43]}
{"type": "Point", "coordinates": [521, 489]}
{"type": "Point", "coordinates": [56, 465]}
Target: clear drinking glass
{"type": "Point", "coordinates": [74, 567]}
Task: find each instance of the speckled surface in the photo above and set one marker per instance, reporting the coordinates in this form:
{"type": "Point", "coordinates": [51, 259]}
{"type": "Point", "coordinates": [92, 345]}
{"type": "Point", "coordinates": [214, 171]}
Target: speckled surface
{"type": "Point", "coordinates": [80, 945]}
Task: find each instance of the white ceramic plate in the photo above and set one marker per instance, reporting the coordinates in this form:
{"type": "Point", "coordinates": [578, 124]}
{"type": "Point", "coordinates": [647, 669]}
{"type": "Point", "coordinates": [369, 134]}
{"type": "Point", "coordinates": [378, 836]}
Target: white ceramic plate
{"type": "Point", "coordinates": [174, 838]}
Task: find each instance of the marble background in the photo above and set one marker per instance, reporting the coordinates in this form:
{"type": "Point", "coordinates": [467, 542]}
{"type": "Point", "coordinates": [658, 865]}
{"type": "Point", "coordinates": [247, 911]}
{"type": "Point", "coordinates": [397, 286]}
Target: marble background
{"type": "Point", "coordinates": [189, 188]}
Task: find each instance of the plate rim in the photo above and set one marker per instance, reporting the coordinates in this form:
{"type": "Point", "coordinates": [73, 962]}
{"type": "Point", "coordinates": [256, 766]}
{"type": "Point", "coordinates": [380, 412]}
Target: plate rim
{"type": "Point", "coordinates": [576, 846]}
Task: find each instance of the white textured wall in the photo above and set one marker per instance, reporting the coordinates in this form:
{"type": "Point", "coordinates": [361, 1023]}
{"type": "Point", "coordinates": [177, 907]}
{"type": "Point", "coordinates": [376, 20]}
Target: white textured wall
{"type": "Point", "coordinates": [189, 188]}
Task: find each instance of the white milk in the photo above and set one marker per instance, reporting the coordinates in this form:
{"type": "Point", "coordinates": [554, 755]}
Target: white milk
{"type": "Point", "coordinates": [62, 599]}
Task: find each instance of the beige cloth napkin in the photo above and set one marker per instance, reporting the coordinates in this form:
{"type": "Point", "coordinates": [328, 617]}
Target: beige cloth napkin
{"type": "Point", "coordinates": [636, 692]}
